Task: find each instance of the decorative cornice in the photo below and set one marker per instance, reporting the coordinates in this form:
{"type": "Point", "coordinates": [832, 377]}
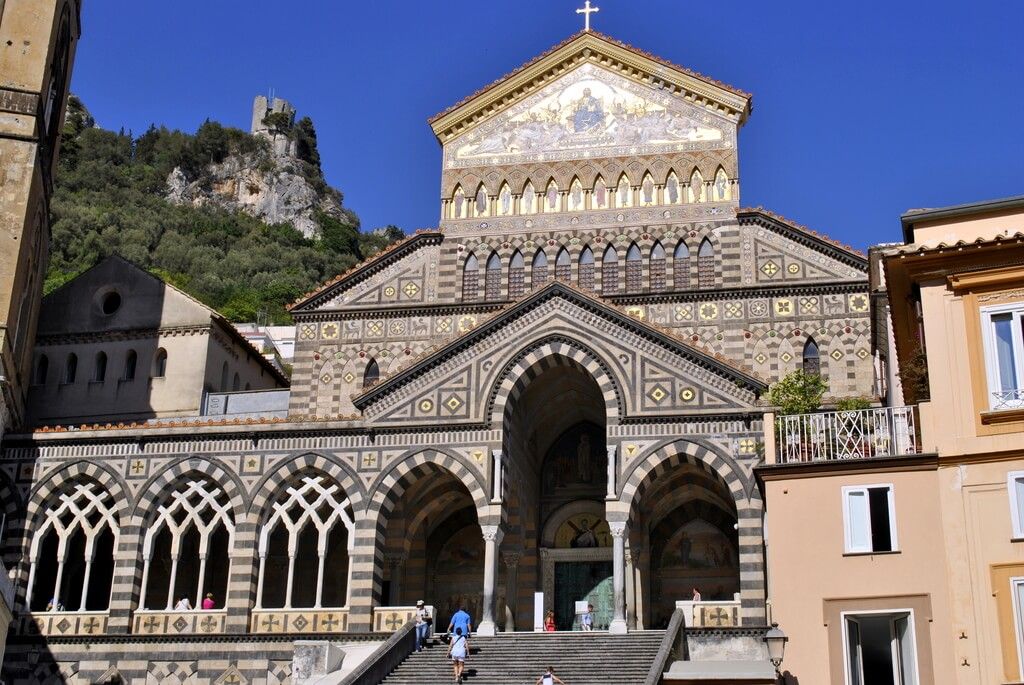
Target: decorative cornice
{"type": "Point", "coordinates": [75, 338]}
{"type": "Point", "coordinates": [803, 235]}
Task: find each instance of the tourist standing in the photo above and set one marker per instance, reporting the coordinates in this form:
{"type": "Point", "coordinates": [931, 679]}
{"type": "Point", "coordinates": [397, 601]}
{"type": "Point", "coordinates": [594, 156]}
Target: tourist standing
{"type": "Point", "coordinates": [549, 678]}
{"type": "Point", "coordinates": [461, 619]}
{"type": "Point", "coordinates": [423, 621]}
{"type": "Point", "coordinates": [183, 605]}
{"type": "Point", "coordinates": [208, 603]}
{"type": "Point", "coordinates": [696, 595]}
{"type": "Point", "coordinates": [457, 650]}
{"type": "Point", "coordinates": [587, 619]}
{"type": "Point", "coordinates": [549, 622]}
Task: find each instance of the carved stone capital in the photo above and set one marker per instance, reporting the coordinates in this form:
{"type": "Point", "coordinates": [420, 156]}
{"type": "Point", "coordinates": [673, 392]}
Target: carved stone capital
{"type": "Point", "coordinates": [511, 559]}
{"type": "Point", "coordinates": [492, 534]}
{"type": "Point", "coordinates": [617, 529]}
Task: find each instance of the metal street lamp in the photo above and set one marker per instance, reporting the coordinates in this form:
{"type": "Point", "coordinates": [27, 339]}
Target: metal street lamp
{"type": "Point", "coordinates": [776, 641]}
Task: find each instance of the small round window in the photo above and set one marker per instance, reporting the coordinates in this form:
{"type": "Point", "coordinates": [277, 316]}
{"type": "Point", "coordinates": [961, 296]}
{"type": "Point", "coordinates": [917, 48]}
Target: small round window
{"type": "Point", "coordinates": [111, 302]}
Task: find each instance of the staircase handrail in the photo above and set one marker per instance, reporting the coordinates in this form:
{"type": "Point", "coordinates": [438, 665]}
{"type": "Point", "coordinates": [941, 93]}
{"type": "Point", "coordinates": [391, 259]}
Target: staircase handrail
{"type": "Point", "coordinates": [385, 658]}
{"type": "Point", "coordinates": [673, 633]}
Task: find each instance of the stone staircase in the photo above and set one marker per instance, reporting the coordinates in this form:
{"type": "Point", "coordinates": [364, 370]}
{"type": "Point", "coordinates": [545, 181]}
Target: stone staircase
{"type": "Point", "coordinates": [579, 658]}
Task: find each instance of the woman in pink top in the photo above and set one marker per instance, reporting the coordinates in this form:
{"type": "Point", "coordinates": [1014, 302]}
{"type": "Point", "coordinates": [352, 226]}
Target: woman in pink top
{"type": "Point", "coordinates": [208, 602]}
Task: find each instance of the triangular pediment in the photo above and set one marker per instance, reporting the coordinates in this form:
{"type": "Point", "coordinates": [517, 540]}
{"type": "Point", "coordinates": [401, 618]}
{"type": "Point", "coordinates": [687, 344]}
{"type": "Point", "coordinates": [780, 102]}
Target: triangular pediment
{"type": "Point", "coordinates": [595, 111]}
{"type": "Point", "coordinates": [611, 57]}
{"type": "Point", "coordinates": [654, 373]}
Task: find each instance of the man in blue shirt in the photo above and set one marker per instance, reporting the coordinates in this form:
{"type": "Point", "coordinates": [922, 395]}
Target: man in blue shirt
{"type": "Point", "coordinates": [461, 619]}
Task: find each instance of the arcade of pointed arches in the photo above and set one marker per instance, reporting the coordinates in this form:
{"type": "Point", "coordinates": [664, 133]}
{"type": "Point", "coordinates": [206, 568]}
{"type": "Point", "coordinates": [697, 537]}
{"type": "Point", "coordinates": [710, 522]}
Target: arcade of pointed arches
{"type": "Point", "coordinates": [622, 193]}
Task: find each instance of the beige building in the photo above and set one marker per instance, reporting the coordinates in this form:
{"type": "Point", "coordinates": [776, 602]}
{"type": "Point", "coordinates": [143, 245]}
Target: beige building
{"type": "Point", "coordinates": [118, 344]}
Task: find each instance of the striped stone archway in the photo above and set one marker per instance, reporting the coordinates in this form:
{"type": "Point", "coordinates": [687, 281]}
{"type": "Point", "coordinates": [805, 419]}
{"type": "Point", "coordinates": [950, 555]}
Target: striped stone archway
{"type": "Point", "coordinates": [749, 508]}
{"type": "Point", "coordinates": [549, 353]}
{"type": "Point", "coordinates": [371, 522]}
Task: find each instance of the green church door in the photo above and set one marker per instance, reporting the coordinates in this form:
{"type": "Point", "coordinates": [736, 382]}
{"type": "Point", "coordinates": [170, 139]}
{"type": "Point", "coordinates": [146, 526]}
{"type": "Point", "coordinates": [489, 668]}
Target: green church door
{"type": "Point", "coordinates": [589, 581]}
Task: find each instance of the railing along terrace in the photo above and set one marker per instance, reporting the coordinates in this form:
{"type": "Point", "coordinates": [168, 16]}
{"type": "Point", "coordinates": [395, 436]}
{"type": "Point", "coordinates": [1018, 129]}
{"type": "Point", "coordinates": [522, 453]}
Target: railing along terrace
{"type": "Point", "coordinates": [855, 434]}
{"type": "Point", "coordinates": [1008, 399]}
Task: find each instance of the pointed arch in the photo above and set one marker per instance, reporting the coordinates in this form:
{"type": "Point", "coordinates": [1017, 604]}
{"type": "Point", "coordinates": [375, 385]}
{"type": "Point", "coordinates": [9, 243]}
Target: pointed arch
{"type": "Point", "coordinates": [160, 363]}
{"type": "Point", "coordinates": [648, 191]}
{"type": "Point", "coordinates": [371, 374]}
{"type": "Point", "coordinates": [609, 271]}
{"type": "Point", "coordinates": [505, 207]}
{"type": "Point", "coordinates": [131, 363]}
{"type": "Point", "coordinates": [71, 369]}
{"type": "Point", "coordinates": [42, 370]}
{"type": "Point", "coordinates": [681, 265]}
{"type": "Point", "coordinates": [657, 267]}
{"type": "Point", "coordinates": [696, 189]}
{"type": "Point", "coordinates": [551, 199]}
{"type": "Point", "coordinates": [586, 268]}
{"type": "Point", "coordinates": [492, 278]}
{"type": "Point", "coordinates": [539, 269]}
{"type": "Point", "coordinates": [722, 187]}
{"type": "Point", "coordinates": [634, 269]}
{"type": "Point", "coordinates": [706, 264]}
{"type": "Point", "coordinates": [516, 275]}
{"type": "Point", "coordinates": [623, 192]}
{"type": "Point", "coordinates": [481, 204]}
{"type": "Point", "coordinates": [528, 200]}
{"type": "Point", "coordinates": [563, 265]}
{"type": "Point", "coordinates": [576, 196]}
{"type": "Point", "coordinates": [811, 357]}
{"type": "Point", "coordinates": [470, 278]}
{"type": "Point", "coordinates": [600, 196]}
{"type": "Point", "coordinates": [458, 203]}
{"type": "Point", "coordinates": [224, 377]}
{"type": "Point", "coordinates": [672, 194]}
{"type": "Point", "coordinates": [99, 369]}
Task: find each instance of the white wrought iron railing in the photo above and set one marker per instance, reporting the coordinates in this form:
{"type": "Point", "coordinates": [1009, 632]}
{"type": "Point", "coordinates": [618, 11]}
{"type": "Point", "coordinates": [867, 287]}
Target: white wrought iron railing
{"type": "Point", "coordinates": [857, 434]}
{"type": "Point", "coordinates": [1008, 399]}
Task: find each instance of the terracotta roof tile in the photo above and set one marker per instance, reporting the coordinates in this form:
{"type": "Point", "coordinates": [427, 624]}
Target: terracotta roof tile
{"type": "Point", "coordinates": [924, 248]}
{"type": "Point", "coordinates": [800, 227]}
{"type": "Point", "coordinates": [570, 39]}
{"type": "Point", "coordinates": [366, 263]}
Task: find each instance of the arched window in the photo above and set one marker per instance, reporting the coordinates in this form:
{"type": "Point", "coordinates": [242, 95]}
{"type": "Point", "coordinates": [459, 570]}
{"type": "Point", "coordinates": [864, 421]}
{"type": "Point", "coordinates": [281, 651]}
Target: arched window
{"type": "Point", "coordinates": [705, 265]}
{"type": "Point", "coordinates": [722, 189]}
{"type": "Point", "coordinates": [539, 269]}
{"type": "Point", "coordinates": [657, 267]}
{"type": "Point", "coordinates": [634, 269]}
{"type": "Point", "coordinates": [586, 274]}
{"type": "Point", "coordinates": [71, 368]}
{"type": "Point", "coordinates": [71, 554]}
{"type": "Point", "coordinates": [160, 363]}
{"type": "Point", "coordinates": [471, 278]}
{"type": "Point", "coordinates": [672, 195]}
{"type": "Point", "coordinates": [528, 202]}
{"type": "Point", "coordinates": [623, 192]}
{"type": "Point", "coordinates": [575, 196]}
{"type": "Point", "coordinates": [681, 266]}
{"type": "Point", "coordinates": [648, 193]}
{"type": "Point", "coordinates": [609, 272]}
{"type": "Point", "coordinates": [696, 189]}
{"type": "Point", "coordinates": [372, 374]}
{"type": "Point", "coordinates": [236, 383]}
{"type": "Point", "coordinates": [492, 279]}
{"type": "Point", "coordinates": [458, 203]}
{"type": "Point", "coordinates": [305, 546]}
{"type": "Point", "coordinates": [551, 197]}
{"type": "Point", "coordinates": [480, 207]}
{"type": "Point", "coordinates": [131, 361]}
{"type": "Point", "coordinates": [600, 200]}
{"type": "Point", "coordinates": [99, 373]}
{"type": "Point", "coordinates": [563, 266]}
{"type": "Point", "coordinates": [516, 275]}
{"type": "Point", "coordinates": [812, 359]}
{"type": "Point", "coordinates": [42, 369]}
{"type": "Point", "coordinates": [505, 200]}
{"type": "Point", "coordinates": [185, 551]}
{"type": "Point", "coordinates": [224, 377]}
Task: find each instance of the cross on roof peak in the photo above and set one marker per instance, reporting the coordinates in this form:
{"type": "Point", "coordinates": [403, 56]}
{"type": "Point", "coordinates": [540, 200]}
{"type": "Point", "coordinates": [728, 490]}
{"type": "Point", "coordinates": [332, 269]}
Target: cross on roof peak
{"type": "Point", "coordinates": [586, 11]}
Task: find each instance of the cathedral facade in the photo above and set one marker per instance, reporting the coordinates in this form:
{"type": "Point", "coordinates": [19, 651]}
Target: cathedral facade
{"type": "Point", "coordinates": [559, 390]}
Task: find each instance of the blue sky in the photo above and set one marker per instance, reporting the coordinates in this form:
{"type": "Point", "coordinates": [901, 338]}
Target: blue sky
{"type": "Point", "coordinates": [861, 109]}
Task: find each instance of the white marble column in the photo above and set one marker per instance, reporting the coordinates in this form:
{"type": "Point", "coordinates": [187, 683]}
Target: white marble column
{"type": "Point", "coordinates": [498, 476]}
{"type": "Point", "coordinates": [492, 539]}
{"type": "Point", "coordinates": [511, 560]}
{"type": "Point", "coordinates": [612, 470]}
{"type": "Point", "coordinates": [618, 531]}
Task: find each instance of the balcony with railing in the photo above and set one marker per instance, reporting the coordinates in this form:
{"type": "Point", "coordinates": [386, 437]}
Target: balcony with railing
{"type": "Point", "coordinates": [839, 435]}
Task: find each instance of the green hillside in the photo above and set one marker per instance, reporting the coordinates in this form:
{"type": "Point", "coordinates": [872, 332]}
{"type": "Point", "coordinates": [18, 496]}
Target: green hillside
{"type": "Point", "coordinates": [109, 198]}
